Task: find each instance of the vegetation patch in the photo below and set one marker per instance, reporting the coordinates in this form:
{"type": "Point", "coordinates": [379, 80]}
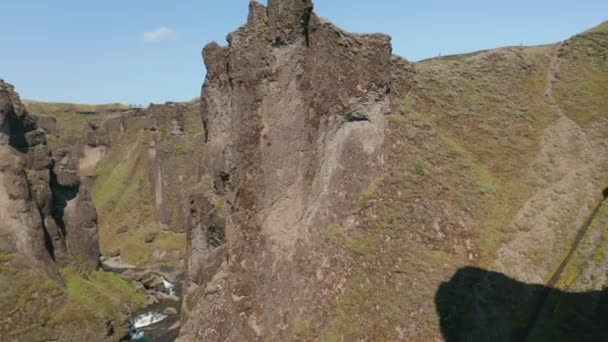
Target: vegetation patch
{"type": "Point", "coordinates": [583, 76]}
{"type": "Point", "coordinates": [95, 298]}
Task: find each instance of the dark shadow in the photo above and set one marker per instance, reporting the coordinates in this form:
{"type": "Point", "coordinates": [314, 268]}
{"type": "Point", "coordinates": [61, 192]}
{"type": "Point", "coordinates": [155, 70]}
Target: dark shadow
{"type": "Point", "coordinates": [48, 242]}
{"type": "Point", "coordinates": [479, 305]}
{"type": "Point", "coordinates": [61, 196]}
{"type": "Point", "coordinates": [605, 193]}
{"type": "Point", "coordinates": [18, 129]}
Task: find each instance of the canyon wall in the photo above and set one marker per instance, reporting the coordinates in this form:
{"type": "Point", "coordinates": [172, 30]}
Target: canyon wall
{"type": "Point", "coordinates": [295, 117]}
{"type": "Point", "coordinates": [47, 222]}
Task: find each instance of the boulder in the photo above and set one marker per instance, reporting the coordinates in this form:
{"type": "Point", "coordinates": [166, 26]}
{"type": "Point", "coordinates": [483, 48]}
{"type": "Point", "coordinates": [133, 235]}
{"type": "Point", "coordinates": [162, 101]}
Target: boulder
{"type": "Point", "coordinates": [122, 230]}
{"type": "Point", "coordinates": [35, 138]}
{"type": "Point", "coordinates": [151, 237]}
{"type": "Point", "coordinates": [170, 311]}
{"type": "Point", "coordinates": [153, 281]}
{"type": "Point", "coordinates": [47, 123]}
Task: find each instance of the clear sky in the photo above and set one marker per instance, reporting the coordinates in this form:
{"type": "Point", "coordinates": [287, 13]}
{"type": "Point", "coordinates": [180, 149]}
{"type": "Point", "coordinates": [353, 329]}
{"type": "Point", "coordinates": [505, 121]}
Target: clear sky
{"type": "Point", "coordinates": [136, 51]}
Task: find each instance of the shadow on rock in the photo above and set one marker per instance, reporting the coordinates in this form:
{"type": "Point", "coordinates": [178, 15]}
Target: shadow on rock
{"type": "Point", "coordinates": [480, 305]}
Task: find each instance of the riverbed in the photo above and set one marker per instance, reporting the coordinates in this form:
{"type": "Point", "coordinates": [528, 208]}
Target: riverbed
{"type": "Point", "coordinates": [152, 323]}
{"type": "Point", "coordinates": [156, 326]}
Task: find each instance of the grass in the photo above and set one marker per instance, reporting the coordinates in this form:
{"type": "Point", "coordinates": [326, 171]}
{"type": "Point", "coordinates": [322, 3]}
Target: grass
{"type": "Point", "coordinates": [601, 28]}
{"type": "Point", "coordinates": [71, 118]}
{"type": "Point", "coordinates": [303, 329]}
{"type": "Point", "coordinates": [583, 76]}
{"type": "Point", "coordinates": [29, 299]}
{"type": "Point", "coordinates": [461, 145]}
{"type": "Point", "coordinates": [98, 296]}
{"type": "Point", "coordinates": [361, 245]}
{"type": "Point", "coordinates": [124, 196]}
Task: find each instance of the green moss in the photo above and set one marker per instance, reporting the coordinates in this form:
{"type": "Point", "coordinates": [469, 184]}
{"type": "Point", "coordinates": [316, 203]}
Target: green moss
{"type": "Point", "coordinates": [222, 206]}
{"type": "Point", "coordinates": [71, 118]}
{"type": "Point", "coordinates": [488, 189]}
{"type": "Point", "coordinates": [6, 257]}
{"type": "Point", "coordinates": [102, 294]}
{"type": "Point", "coordinates": [583, 76]}
{"type": "Point", "coordinates": [361, 244]}
{"type": "Point", "coordinates": [421, 168]}
{"type": "Point", "coordinates": [204, 186]}
{"type": "Point", "coordinates": [182, 149]}
{"type": "Point", "coordinates": [368, 195]}
{"type": "Point", "coordinates": [303, 329]}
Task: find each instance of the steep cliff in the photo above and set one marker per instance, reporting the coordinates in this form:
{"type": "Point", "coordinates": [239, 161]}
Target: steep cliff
{"type": "Point", "coordinates": [140, 164]}
{"type": "Point", "coordinates": [48, 236]}
{"type": "Point", "coordinates": [295, 116]}
{"type": "Point", "coordinates": [141, 167]}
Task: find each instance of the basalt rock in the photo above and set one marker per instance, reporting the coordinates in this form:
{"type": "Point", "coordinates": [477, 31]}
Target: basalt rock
{"type": "Point", "coordinates": [47, 123]}
{"type": "Point", "coordinates": [294, 112]}
{"type": "Point", "coordinates": [40, 224]}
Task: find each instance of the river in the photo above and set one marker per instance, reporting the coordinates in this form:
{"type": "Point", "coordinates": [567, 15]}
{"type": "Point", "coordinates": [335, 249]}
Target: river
{"type": "Point", "coordinates": [151, 323]}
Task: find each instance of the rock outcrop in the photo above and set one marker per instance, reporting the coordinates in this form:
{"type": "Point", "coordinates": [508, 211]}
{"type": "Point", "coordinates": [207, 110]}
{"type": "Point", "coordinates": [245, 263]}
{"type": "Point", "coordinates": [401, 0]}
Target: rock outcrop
{"type": "Point", "coordinates": [294, 110]}
{"type": "Point", "coordinates": [320, 216]}
{"type": "Point", "coordinates": [64, 219]}
{"type": "Point", "coordinates": [47, 220]}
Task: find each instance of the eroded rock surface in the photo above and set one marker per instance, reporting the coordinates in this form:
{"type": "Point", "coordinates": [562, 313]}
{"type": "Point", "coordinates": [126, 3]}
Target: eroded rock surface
{"type": "Point", "coordinates": [46, 220]}
{"type": "Point", "coordinates": [294, 110]}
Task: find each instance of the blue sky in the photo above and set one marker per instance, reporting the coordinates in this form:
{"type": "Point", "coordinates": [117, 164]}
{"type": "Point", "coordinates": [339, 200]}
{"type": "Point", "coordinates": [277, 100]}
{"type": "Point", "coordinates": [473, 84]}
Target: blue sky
{"type": "Point", "coordinates": [136, 51]}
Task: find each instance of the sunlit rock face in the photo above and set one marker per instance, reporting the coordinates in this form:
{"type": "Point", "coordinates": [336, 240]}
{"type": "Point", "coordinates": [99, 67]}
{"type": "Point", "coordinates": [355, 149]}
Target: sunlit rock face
{"type": "Point", "coordinates": [47, 219]}
{"type": "Point", "coordinates": [294, 111]}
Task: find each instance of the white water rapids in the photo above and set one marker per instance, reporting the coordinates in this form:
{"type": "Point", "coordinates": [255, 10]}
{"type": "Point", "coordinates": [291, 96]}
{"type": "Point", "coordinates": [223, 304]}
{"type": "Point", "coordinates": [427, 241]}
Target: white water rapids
{"type": "Point", "coordinates": [149, 318]}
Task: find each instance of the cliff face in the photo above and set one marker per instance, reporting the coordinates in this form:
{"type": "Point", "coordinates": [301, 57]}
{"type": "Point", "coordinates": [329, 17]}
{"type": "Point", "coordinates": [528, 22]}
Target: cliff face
{"type": "Point", "coordinates": [24, 207]}
{"type": "Point", "coordinates": [59, 218]}
{"type": "Point", "coordinates": [141, 165]}
{"type": "Point", "coordinates": [47, 221]}
{"type": "Point", "coordinates": [294, 110]}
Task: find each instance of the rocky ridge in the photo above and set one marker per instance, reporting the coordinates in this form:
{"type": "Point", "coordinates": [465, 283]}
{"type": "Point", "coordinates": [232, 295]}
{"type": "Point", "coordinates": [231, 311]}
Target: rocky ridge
{"type": "Point", "coordinates": [48, 223]}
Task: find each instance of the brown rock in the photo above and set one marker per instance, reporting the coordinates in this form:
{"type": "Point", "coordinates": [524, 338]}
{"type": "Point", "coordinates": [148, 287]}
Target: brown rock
{"type": "Point", "coordinates": [113, 253]}
{"type": "Point", "coordinates": [66, 169]}
{"type": "Point", "coordinates": [48, 219]}
{"type": "Point", "coordinates": [47, 123]}
{"type": "Point", "coordinates": [151, 237]}
{"type": "Point", "coordinates": [36, 137]}
{"type": "Point", "coordinates": [294, 110]}
{"type": "Point", "coordinates": [170, 311]}
{"type": "Point", "coordinates": [122, 230]}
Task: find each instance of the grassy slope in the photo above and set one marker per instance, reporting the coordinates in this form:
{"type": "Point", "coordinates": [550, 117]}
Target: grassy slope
{"type": "Point", "coordinates": [460, 144]}
{"type": "Point", "coordinates": [39, 308]}
{"type": "Point", "coordinates": [123, 196]}
{"type": "Point", "coordinates": [584, 76]}
{"type": "Point", "coordinates": [123, 193]}
{"type": "Point", "coordinates": [71, 118]}
{"type": "Point", "coordinates": [460, 155]}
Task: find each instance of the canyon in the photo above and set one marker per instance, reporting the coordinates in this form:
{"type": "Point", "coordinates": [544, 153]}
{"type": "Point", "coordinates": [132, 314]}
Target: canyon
{"type": "Point", "coordinates": [320, 189]}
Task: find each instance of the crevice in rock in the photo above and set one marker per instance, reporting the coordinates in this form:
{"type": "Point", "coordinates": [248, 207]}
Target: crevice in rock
{"type": "Point", "coordinates": [356, 116]}
{"type": "Point", "coordinates": [18, 128]}
{"type": "Point", "coordinates": [216, 235]}
{"type": "Point", "coordinates": [225, 176]}
{"type": "Point", "coordinates": [48, 242]}
{"type": "Point", "coordinates": [605, 193]}
{"type": "Point", "coordinates": [306, 26]}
